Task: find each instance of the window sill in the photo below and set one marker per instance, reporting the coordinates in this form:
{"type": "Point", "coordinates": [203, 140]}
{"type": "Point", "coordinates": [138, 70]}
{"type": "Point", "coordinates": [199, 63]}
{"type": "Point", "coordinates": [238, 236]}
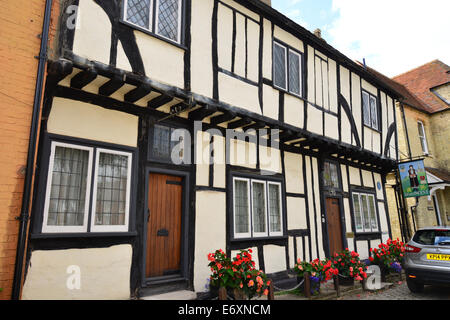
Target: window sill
{"type": "Point", "coordinates": [82, 235]}
{"type": "Point", "coordinates": [259, 239]}
{"type": "Point", "coordinates": [369, 127]}
{"type": "Point", "coordinates": [154, 35]}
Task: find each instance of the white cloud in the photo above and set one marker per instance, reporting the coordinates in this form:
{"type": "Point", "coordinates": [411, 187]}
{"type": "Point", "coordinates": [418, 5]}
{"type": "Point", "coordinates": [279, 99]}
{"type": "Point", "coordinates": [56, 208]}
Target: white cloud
{"type": "Point", "coordinates": [393, 35]}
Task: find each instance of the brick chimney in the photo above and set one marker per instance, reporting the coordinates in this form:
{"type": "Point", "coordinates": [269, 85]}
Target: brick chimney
{"type": "Point", "coordinates": [268, 2]}
{"type": "Point", "coordinates": [318, 33]}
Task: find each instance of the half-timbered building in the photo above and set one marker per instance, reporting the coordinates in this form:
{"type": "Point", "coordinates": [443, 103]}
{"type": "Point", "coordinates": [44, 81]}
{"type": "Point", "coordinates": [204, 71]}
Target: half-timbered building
{"type": "Point", "coordinates": [172, 128]}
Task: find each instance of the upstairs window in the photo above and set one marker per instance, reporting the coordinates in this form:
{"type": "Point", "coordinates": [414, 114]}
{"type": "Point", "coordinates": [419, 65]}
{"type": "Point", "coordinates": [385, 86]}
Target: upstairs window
{"type": "Point", "coordinates": [287, 69]}
{"type": "Point", "coordinates": [162, 17]}
{"type": "Point", "coordinates": [370, 110]}
{"type": "Point", "coordinates": [423, 137]}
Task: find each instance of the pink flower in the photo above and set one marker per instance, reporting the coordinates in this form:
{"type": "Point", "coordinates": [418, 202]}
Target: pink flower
{"type": "Point", "coordinates": [251, 283]}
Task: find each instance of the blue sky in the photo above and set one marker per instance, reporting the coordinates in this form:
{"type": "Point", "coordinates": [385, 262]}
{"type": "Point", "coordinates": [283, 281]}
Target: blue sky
{"type": "Point", "coordinates": [394, 36]}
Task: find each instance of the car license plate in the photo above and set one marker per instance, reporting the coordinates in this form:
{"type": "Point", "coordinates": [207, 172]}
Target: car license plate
{"type": "Point", "coordinates": [439, 257]}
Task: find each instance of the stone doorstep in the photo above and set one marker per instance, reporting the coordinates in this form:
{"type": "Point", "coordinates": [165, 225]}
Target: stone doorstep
{"type": "Point", "coordinates": [175, 296]}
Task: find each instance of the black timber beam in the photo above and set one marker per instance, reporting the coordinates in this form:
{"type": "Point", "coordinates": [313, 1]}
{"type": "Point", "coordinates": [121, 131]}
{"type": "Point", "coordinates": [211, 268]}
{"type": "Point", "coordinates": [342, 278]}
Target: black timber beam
{"type": "Point", "coordinates": [202, 113]}
{"type": "Point", "coordinates": [57, 71]}
{"type": "Point", "coordinates": [83, 78]}
{"type": "Point", "coordinates": [137, 93]}
{"type": "Point", "coordinates": [114, 84]}
{"type": "Point", "coordinates": [255, 126]}
{"type": "Point", "coordinates": [225, 117]}
{"type": "Point", "coordinates": [159, 101]}
{"type": "Point", "coordinates": [239, 123]}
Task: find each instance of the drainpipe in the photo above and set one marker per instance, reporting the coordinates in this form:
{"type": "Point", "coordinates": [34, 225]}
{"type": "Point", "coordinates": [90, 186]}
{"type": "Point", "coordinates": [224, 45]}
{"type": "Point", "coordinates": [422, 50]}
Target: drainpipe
{"type": "Point", "coordinates": [32, 144]}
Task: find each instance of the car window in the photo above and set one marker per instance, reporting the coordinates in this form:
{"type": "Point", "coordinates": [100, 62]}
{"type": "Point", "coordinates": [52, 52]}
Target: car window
{"type": "Point", "coordinates": [432, 237]}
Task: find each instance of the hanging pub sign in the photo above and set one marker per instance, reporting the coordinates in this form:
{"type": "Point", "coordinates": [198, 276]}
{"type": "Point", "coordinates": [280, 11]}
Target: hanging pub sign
{"type": "Point", "coordinates": [413, 178]}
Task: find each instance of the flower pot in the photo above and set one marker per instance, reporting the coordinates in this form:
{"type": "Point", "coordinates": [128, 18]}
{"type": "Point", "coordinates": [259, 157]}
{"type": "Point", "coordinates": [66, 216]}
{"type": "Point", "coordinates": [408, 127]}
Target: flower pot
{"type": "Point", "coordinates": [314, 285]}
{"type": "Point", "coordinates": [346, 281]}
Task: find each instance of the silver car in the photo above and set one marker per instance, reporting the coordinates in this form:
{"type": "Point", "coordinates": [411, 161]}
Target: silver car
{"type": "Point", "coordinates": [427, 258]}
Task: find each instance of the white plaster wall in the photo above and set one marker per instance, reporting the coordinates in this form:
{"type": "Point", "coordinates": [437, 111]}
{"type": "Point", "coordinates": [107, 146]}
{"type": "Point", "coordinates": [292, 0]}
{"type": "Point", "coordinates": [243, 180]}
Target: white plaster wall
{"type": "Point", "coordinates": [367, 179]}
{"type": "Point", "coordinates": [315, 122]}
{"type": "Point", "coordinates": [210, 224]}
{"type": "Point", "coordinates": [354, 176]}
{"type": "Point", "coordinates": [270, 159]}
{"type": "Point", "coordinates": [383, 222]}
{"type": "Point", "coordinates": [253, 31]}
{"type": "Point", "coordinates": [242, 9]}
{"type": "Point", "coordinates": [356, 102]}
{"type": "Point", "coordinates": [225, 36]}
{"type": "Point", "coordinates": [311, 78]}
{"type": "Point", "coordinates": [311, 208]}
{"type": "Point", "coordinates": [162, 61]}
{"type": "Point", "coordinates": [104, 274]}
{"type": "Point", "coordinates": [86, 121]}
{"type": "Point", "coordinates": [288, 38]}
{"type": "Point", "coordinates": [219, 162]}
{"type": "Point", "coordinates": [293, 111]}
{"type": "Point", "coordinates": [344, 177]}
{"type": "Point", "coordinates": [347, 215]}
{"type": "Point", "coordinates": [238, 93]}
{"type": "Point", "coordinates": [274, 258]}
{"type": "Point", "coordinates": [267, 49]}
{"type": "Point", "coordinates": [384, 122]}
{"type": "Point", "coordinates": [122, 59]}
{"type": "Point", "coordinates": [296, 213]}
{"type": "Point", "coordinates": [294, 173]}
{"type": "Point", "coordinates": [318, 81]}
{"type": "Point", "coordinates": [242, 153]}
{"type": "Point", "coordinates": [363, 249]}
{"type": "Point", "coordinates": [369, 87]}
{"type": "Point", "coordinates": [380, 194]}
{"type": "Point", "coordinates": [240, 52]}
{"type": "Point", "coordinates": [331, 126]}
{"type": "Point", "coordinates": [318, 206]}
{"type": "Point", "coordinates": [271, 102]}
{"type": "Point", "coordinates": [201, 42]}
{"type": "Point", "coordinates": [332, 75]}
{"type": "Point", "coordinates": [346, 130]}
{"type": "Point", "coordinates": [93, 36]}
{"type": "Point", "coordinates": [202, 158]}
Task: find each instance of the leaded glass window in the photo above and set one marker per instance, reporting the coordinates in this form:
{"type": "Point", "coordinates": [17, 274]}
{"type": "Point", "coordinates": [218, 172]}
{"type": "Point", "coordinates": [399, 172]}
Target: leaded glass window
{"type": "Point", "coordinates": [169, 144]}
{"type": "Point", "coordinates": [364, 212]}
{"type": "Point", "coordinates": [161, 17]}
{"type": "Point", "coordinates": [112, 188]}
{"type": "Point", "coordinates": [294, 72]}
{"type": "Point", "coordinates": [279, 66]}
{"type": "Point", "coordinates": [72, 198]}
{"type": "Point", "coordinates": [257, 208]}
{"type": "Point", "coordinates": [370, 110]}
{"type": "Point", "coordinates": [241, 208]}
{"type": "Point", "coordinates": [138, 12]}
{"type": "Point", "coordinates": [169, 19]}
{"type": "Point", "coordinates": [275, 207]}
{"type": "Point", "coordinates": [331, 175]}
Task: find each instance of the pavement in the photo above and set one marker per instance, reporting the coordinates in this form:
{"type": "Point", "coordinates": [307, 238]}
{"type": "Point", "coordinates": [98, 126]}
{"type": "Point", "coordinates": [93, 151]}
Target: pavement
{"type": "Point", "coordinates": [395, 289]}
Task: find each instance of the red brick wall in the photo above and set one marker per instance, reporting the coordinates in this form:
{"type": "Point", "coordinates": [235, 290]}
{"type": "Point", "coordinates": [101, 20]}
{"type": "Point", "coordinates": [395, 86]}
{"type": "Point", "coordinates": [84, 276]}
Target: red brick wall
{"type": "Point", "coordinates": [20, 24]}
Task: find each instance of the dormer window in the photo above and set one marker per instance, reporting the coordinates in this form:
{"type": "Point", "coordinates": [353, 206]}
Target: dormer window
{"type": "Point", "coordinates": [161, 17]}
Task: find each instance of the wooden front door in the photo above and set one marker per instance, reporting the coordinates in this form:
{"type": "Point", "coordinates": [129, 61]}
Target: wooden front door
{"type": "Point", "coordinates": [334, 225]}
{"type": "Point", "coordinates": [164, 225]}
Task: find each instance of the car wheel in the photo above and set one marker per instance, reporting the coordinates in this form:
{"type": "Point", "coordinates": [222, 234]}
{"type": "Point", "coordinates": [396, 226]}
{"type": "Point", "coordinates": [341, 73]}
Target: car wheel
{"type": "Point", "coordinates": [414, 286]}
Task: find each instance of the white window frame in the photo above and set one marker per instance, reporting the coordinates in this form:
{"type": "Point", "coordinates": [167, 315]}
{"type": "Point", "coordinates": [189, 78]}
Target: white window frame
{"type": "Point", "coordinates": [423, 138]}
{"type": "Point", "coordinates": [249, 210]}
{"type": "Point", "coordinates": [266, 213]}
{"type": "Point", "coordinates": [111, 228]}
{"type": "Point", "coordinates": [267, 233]}
{"type": "Point", "coordinates": [150, 17]}
{"type": "Point", "coordinates": [299, 73]}
{"type": "Point", "coordinates": [67, 229]}
{"type": "Point", "coordinates": [368, 195]}
{"type": "Point", "coordinates": [180, 9]}
{"type": "Point", "coordinates": [275, 233]}
{"type": "Point", "coordinates": [285, 66]}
